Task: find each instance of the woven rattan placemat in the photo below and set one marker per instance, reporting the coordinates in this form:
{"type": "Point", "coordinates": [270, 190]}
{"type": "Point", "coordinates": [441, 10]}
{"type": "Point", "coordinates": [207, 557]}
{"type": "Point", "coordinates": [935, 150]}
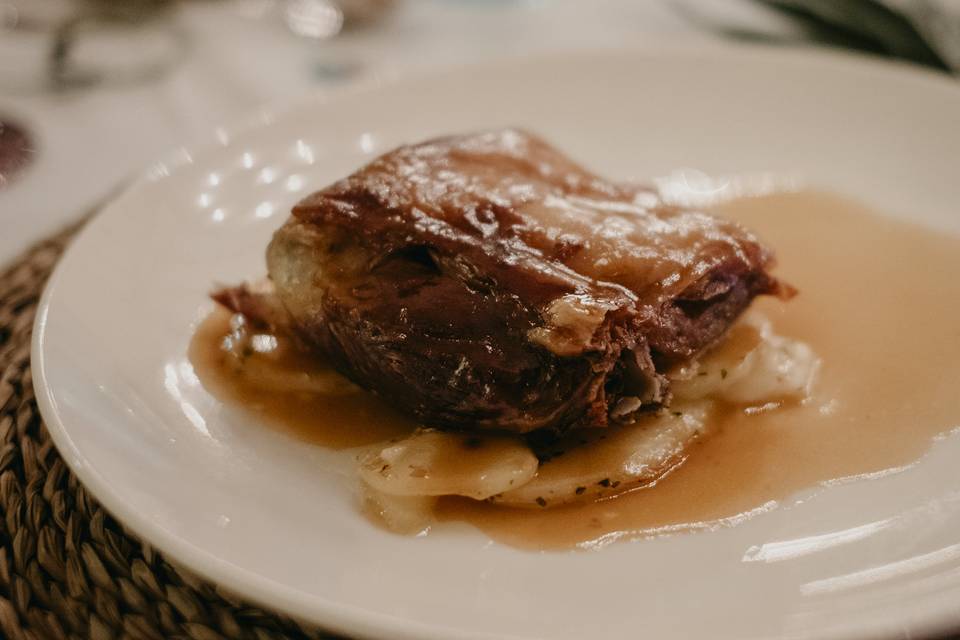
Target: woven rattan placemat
{"type": "Point", "coordinates": [67, 569]}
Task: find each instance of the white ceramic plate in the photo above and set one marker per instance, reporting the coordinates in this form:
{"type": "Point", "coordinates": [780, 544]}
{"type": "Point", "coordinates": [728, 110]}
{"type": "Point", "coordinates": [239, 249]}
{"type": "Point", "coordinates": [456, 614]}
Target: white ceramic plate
{"type": "Point", "coordinates": [276, 520]}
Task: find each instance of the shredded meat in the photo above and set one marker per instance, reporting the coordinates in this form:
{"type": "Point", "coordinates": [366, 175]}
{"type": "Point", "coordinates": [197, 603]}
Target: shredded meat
{"type": "Point", "coordinates": [487, 282]}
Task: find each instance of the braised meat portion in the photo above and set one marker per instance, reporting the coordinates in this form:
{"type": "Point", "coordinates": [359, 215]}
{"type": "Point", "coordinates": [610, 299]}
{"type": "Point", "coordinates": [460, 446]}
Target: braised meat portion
{"type": "Point", "coordinates": [488, 282]}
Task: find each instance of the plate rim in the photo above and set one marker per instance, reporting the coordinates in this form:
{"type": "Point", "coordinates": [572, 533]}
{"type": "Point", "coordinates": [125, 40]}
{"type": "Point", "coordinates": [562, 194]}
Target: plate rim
{"type": "Point", "coordinates": [258, 589]}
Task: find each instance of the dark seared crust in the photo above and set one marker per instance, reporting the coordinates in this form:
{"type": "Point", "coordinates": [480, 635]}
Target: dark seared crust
{"type": "Point", "coordinates": [475, 282]}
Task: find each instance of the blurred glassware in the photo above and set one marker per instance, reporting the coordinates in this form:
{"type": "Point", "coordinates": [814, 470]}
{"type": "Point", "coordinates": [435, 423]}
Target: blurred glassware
{"type": "Point", "coordinates": [317, 19]}
{"type": "Point", "coordinates": [326, 18]}
{"type": "Point", "coordinates": [316, 22]}
{"type": "Point", "coordinates": [62, 44]}
{"type": "Point", "coordinates": [34, 15]}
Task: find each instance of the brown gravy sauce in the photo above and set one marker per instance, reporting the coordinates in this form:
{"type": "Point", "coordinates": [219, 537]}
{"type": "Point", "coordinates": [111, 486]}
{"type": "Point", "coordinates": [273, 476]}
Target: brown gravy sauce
{"type": "Point", "coordinates": [878, 304]}
{"type": "Point", "coordinates": [335, 421]}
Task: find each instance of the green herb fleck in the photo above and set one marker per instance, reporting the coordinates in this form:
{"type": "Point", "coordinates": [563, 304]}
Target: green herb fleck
{"type": "Point", "coordinates": [541, 501]}
{"type": "Point", "coordinates": [605, 482]}
{"type": "Point", "coordinates": [580, 490]}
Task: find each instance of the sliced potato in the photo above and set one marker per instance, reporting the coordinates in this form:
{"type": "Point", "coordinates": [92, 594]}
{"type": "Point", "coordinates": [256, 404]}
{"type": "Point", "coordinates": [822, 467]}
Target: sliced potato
{"type": "Point", "coordinates": [752, 365]}
{"type": "Point", "coordinates": [720, 367]}
{"type": "Point", "coordinates": [437, 463]}
{"type": "Point", "coordinates": [783, 369]}
{"type": "Point", "coordinates": [587, 467]}
{"type": "Point", "coordinates": [402, 514]}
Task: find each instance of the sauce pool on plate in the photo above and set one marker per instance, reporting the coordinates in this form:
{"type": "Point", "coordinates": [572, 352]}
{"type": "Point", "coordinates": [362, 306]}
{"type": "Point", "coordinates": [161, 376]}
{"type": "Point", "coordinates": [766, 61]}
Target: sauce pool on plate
{"type": "Point", "coordinates": [877, 303]}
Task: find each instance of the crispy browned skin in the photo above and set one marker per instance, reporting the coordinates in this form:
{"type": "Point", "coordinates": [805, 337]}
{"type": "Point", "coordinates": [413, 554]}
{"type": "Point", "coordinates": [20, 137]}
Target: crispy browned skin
{"type": "Point", "coordinates": [487, 282]}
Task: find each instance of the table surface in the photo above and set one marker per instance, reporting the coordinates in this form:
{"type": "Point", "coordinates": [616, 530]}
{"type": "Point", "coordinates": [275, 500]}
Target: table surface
{"type": "Point", "coordinates": [89, 141]}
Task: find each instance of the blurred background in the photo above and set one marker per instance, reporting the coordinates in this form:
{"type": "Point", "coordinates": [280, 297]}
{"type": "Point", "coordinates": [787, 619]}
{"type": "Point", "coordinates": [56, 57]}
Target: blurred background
{"type": "Point", "coordinates": [93, 90]}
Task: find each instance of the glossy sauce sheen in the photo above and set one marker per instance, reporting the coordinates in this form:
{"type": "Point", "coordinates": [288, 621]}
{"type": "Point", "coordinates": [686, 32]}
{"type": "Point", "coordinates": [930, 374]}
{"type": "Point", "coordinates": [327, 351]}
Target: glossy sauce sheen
{"type": "Point", "coordinates": [878, 301]}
